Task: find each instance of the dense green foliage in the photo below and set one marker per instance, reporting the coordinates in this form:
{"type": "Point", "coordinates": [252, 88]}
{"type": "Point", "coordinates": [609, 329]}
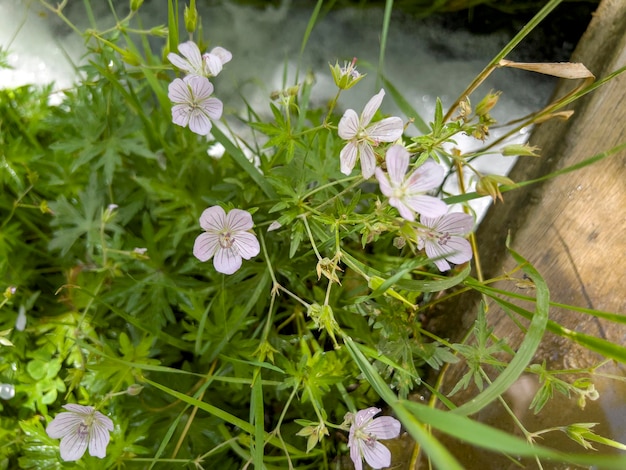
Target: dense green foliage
{"type": "Point", "coordinates": [100, 202]}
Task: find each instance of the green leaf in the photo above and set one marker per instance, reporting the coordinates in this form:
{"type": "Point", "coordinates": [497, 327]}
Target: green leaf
{"type": "Point", "coordinates": [526, 350]}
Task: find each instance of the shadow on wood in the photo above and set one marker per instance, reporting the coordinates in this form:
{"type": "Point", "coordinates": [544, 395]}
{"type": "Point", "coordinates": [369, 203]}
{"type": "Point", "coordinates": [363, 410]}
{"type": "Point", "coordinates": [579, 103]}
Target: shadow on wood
{"type": "Point", "coordinates": [573, 230]}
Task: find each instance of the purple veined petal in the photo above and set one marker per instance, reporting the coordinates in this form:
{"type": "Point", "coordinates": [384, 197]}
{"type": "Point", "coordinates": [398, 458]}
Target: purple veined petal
{"type": "Point", "coordinates": [73, 446]}
{"type": "Point", "coordinates": [426, 177]}
{"type": "Point", "coordinates": [347, 158]}
{"type": "Point", "coordinates": [426, 205]}
{"type": "Point", "coordinates": [206, 245]}
{"type": "Point", "coordinates": [201, 88]}
{"type": "Point", "coordinates": [387, 130]}
{"type": "Point", "coordinates": [178, 61]}
{"type": "Point", "coordinates": [81, 409]}
{"type": "Point", "coordinates": [63, 424]}
{"type": "Point", "coordinates": [348, 125]}
{"type": "Point", "coordinates": [371, 107]}
{"type": "Point", "coordinates": [191, 52]}
{"type": "Point", "coordinates": [362, 417]}
{"type": "Point", "coordinates": [226, 261]}
{"type": "Point", "coordinates": [457, 223]}
{"type": "Point", "coordinates": [213, 219]}
{"type": "Point", "coordinates": [437, 254]}
{"type": "Point", "coordinates": [104, 421]}
{"type": "Point", "coordinates": [384, 427]}
{"type": "Point", "coordinates": [383, 182]}
{"type": "Point", "coordinates": [246, 245]}
{"type": "Point", "coordinates": [239, 220]}
{"type": "Point", "coordinates": [199, 122]}
{"type": "Point", "coordinates": [355, 454]}
{"type": "Point", "coordinates": [397, 159]}
{"type": "Point", "coordinates": [460, 250]}
{"type": "Point", "coordinates": [376, 455]}
{"type": "Point", "coordinates": [224, 55]}
{"type": "Point", "coordinates": [178, 92]}
{"type": "Point", "coordinates": [405, 212]}
{"type": "Point", "coordinates": [181, 114]}
{"type": "Point", "coordinates": [368, 160]}
{"type": "Point", "coordinates": [213, 108]}
{"type": "Point", "coordinates": [212, 64]}
{"type": "Point", "coordinates": [99, 438]}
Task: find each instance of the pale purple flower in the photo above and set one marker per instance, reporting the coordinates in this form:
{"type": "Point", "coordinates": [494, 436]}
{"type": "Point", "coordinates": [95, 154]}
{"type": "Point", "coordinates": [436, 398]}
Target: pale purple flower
{"type": "Point", "coordinates": [364, 435]}
{"type": "Point", "coordinates": [227, 239]}
{"type": "Point", "coordinates": [407, 193]}
{"type": "Point", "coordinates": [363, 136]}
{"type": "Point", "coordinates": [443, 239]}
{"type": "Point", "coordinates": [193, 105]}
{"type": "Point", "coordinates": [214, 60]}
{"type": "Point", "coordinates": [78, 428]}
{"type": "Point", "coordinates": [208, 64]}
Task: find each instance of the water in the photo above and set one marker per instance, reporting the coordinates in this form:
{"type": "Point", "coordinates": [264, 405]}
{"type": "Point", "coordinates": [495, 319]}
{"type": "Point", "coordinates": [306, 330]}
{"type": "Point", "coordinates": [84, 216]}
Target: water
{"type": "Point", "coordinates": [422, 60]}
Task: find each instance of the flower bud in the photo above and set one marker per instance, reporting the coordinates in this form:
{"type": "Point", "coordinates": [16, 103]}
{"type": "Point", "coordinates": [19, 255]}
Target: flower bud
{"type": "Point", "coordinates": [159, 31]}
{"type": "Point", "coordinates": [135, 4]}
{"type": "Point", "coordinates": [489, 186]}
{"type": "Point", "coordinates": [522, 150]}
{"type": "Point", "coordinates": [487, 103]}
{"type": "Point", "coordinates": [134, 389]}
{"type": "Point", "coordinates": [191, 17]}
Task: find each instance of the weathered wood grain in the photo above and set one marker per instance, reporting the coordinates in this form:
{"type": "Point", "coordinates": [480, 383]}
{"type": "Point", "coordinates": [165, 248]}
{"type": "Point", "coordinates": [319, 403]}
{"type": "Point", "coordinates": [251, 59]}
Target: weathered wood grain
{"type": "Point", "coordinates": [572, 229]}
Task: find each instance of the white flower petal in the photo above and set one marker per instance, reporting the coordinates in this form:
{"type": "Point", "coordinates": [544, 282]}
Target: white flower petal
{"type": "Point", "coordinates": [199, 122]}
{"type": "Point", "coordinates": [457, 223]}
{"type": "Point", "coordinates": [99, 438]}
{"type": "Point", "coordinates": [205, 246]}
{"type": "Point", "coordinates": [63, 424]}
{"type": "Point", "coordinates": [426, 177]}
{"type": "Point", "coordinates": [226, 261]}
{"type": "Point", "coordinates": [355, 454]}
{"type": "Point", "coordinates": [384, 427]}
{"type": "Point", "coordinates": [191, 52]}
{"type": "Point", "coordinates": [213, 108]}
{"type": "Point", "coordinates": [179, 62]}
{"type": "Point", "coordinates": [348, 125]}
{"type": "Point", "coordinates": [239, 220]}
{"type": "Point", "coordinates": [347, 157]}
{"type": "Point", "coordinates": [426, 205]}
{"type": "Point", "coordinates": [376, 455]}
{"type": "Point", "coordinates": [362, 417]}
{"type": "Point", "coordinates": [437, 253]}
{"type": "Point", "coordinates": [201, 87]}
{"type": "Point", "coordinates": [368, 160]}
{"type": "Point", "coordinates": [213, 219]}
{"type": "Point", "coordinates": [460, 250]}
{"type": "Point", "coordinates": [371, 107]}
{"type": "Point", "coordinates": [383, 182]}
{"type": "Point", "coordinates": [397, 159]}
{"type": "Point", "coordinates": [181, 114]}
{"type": "Point", "coordinates": [224, 55]}
{"type": "Point", "coordinates": [178, 92]}
{"type": "Point", "coordinates": [212, 64]}
{"type": "Point", "coordinates": [73, 446]}
{"type": "Point", "coordinates": [405, 212]}
{"type": "Point", "coordinates": [246, 244]}
{"type": "Point", "coordinates": [387, 130]}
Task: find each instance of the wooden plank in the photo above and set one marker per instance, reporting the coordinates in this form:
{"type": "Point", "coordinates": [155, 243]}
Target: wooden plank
{"type": "Point", "coordinates": [573, 230]}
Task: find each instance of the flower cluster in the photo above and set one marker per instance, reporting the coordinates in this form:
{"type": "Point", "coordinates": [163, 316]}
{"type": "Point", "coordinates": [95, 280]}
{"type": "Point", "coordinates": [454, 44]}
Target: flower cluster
{"type": "Point", "coordinates": [441, 234]}
{"type": "Point", "coordinates": [193, 105]}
